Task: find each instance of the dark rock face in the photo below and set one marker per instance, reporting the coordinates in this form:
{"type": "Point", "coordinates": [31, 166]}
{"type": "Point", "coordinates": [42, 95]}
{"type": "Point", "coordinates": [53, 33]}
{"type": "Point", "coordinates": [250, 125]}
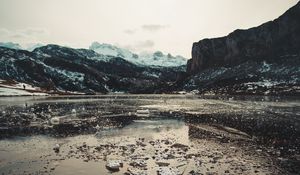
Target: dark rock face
{"type": "Point", "coordinates": [260, 60]}
{"type": "Point", "coordinates": [53, 67]}
{"type": "Point", "coordinates": [271, 41]}
{"type": "Point", "coordinates": [251, 78]}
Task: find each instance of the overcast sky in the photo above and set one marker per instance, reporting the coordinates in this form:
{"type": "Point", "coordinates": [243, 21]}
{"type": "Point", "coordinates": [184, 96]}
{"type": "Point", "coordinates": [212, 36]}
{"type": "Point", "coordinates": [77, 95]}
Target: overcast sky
{"type": "Point", "coordinates": [140, 25]}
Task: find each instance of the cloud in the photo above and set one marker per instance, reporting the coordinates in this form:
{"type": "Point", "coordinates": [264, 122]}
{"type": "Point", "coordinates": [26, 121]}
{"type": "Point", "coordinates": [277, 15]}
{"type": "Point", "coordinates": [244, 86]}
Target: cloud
{"type": "Point", "coordinates": [145, 44]}
{"type": "Point", "coordinates": [35, 31]}
{"type": "Point", "coordinates": [140, 46]}
{"type": "Point", "coordinates": [22, 35]}
{"type": "Point", "coordinates": [154, 27]}
{"type": "Point", "coordinates": [4, 31]}
{"type": "Point", "coordinates": [148, 28]}
{"type": "Point", "coordinates": [130, 31]}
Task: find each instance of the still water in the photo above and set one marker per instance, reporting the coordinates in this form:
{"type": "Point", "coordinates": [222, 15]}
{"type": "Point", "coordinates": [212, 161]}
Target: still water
{"type": "Point", "coordinates": [149, 134]}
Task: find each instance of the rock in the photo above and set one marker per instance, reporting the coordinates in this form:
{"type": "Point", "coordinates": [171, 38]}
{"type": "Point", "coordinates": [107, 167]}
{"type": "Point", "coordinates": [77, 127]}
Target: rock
{"type": "Point", "coordinates": [194, 173]}
{"type": "Point", "coordinates": [136, 172]}
{"type": "Point", "coordinates": [138, 163]}
{"type": "Point", "coordinates": [179, 145]}
{"type": "Point", "coordinates": [162, 163]}
{"type": "Point", "coordinates": [114, 165]}
{"type": "Point", "coordinates": [168, 171]}
{"type": "Point", "coordinates": [270, 40]}
{"type": "Point", "coordinates": [211, 173]}
{"type": "Point", "coordinates": [224, 63]}
{"type": "Point", "coordinates": [97, 127]}
{"type": "Point", "coordinates": [140, 143]}
{"type": "Point", "coordinates": [168, 156]}
{"type": "Point", "coordinates": [55, 120]}
{"type": "Point", "coordinates": [56, 148]}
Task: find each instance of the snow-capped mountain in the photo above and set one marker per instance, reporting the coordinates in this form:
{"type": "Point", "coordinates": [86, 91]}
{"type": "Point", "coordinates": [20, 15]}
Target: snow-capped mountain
{"type": "Point", "coordinates": [10, 45]}
{"type": "Point", "coordinates": [160, 59]}
{"type": "Point", "coordinates": [29, 47]}
{"type": "Point", "coordinates": [58, 68]}
{"type": "Point", "coordinates": [154, 59]}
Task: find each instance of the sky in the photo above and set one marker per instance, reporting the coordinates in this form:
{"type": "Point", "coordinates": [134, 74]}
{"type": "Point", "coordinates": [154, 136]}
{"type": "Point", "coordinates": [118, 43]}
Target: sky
{"type": "Point", "coordinates": [170, 26]}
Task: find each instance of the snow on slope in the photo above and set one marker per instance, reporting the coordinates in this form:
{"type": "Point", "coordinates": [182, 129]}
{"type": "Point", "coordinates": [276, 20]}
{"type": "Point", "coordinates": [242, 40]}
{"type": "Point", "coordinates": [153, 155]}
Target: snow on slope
{"type": "Point", "coordinates": [10, 45]}
{"type": "Point", "coordinates": [29, 47]}
{"type": "Point", "coordinates": [19, 86]}
{"type": "Point", "coordinates": [155, 59]}
{"type": "Point", "coordinates": [18, 92]}
{"type": "Point", "coordinates": [17, 89]}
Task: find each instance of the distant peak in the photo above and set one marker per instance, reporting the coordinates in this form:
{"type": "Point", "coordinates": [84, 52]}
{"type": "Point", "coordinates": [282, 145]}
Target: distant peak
{"type": "Point", "coordinates": [11, 45]}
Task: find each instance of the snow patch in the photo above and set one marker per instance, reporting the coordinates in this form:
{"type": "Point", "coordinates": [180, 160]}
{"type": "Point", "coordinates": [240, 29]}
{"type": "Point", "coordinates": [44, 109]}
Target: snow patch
{"type": "Point", "coordinates": [18, 92]}
{"type": "Point", "coordinates": [265, 83]}
{"type": "Point", "coordinates": [265, 67]}
{"type": "Point", "coordinates": [18, 85]}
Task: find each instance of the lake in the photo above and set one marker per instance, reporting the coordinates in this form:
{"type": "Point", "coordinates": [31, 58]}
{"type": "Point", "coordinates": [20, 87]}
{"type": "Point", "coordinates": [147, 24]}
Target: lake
{"type": "Point", "coordinates": [150, 134]}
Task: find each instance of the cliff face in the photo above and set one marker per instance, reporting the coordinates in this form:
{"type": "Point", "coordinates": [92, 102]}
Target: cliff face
{"type": "Point", "coordinates": [272, 42]}
{"type": "Point", "coordinates": [261, 60]}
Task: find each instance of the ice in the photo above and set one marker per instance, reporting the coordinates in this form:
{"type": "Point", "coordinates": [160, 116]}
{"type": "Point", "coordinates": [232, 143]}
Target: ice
{"type": "Point", "coordinates": [55, 120]}
{"type": "Point", "coordinates": [114, 165]}
{"type": "Point", "coordinates": [168, 171]}
{"type": "Point", "coordinates": [56, 148]}
{"type": "Point", "coordinates": [73, 111]}
{"type": "Point", "coordinates": [143, 113]}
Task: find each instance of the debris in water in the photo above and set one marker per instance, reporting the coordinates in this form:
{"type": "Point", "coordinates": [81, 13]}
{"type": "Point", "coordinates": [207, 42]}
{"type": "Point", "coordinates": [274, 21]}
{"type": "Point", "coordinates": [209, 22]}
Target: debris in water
{"type": "Point", "coordinates": [54, 121]}
{"type": "Point", "coordinates": [56, 148]}
{"type": "Point", "coordinates": [168, 171]}
{"type": "Point", "coordinates": [114, 165]}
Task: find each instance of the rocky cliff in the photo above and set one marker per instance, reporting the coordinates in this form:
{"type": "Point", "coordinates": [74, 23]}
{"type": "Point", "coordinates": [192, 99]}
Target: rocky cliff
{"type": "Point", "coordinates": [260, 60]}
{"type": "Point", "coordinates": [272, 41]}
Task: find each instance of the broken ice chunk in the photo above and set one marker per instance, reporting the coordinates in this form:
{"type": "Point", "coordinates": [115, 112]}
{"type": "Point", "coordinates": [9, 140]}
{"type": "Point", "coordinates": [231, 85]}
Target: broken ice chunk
{"type": "Point", "coordinates": [114, 165]}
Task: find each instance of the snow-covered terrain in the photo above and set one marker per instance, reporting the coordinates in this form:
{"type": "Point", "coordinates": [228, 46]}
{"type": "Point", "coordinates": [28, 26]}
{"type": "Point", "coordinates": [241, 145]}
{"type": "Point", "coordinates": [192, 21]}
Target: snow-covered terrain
{"type": "Point", "coordinates": [29, 47]}
{"type": "Point", "coordinates": [153, 59]}
{"type": "Point", "coordinates": [18, 92]}
{"type": "Point", "coordinates": [108, 51]}
{"type": "Point", "coordinates": [68, 70]}
{"type": "Point", "coordinates": [19, 89]}
{"type": "Point", "coordinates": [18, 85]}
{"type": "Point", "coordinates": [10, 45]}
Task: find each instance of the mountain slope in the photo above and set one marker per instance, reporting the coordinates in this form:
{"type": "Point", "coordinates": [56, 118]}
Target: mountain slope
{"type": "Point", "coordinates": [10, 45]}
{"type": "Point", "coordinates": [58, 68]}
{"type": "Point", "coordinates": [155, 59]}
{"type": "Point", "coordinates": [260, 60]}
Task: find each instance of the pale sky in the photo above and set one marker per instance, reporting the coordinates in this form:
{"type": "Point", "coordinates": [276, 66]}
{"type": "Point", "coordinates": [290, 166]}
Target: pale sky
{"type": "Point", "coordinates": [140, 25]}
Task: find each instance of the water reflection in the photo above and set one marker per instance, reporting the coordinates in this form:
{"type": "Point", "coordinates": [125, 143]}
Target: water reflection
{"type": "Point", "coordinates": [208, 131]}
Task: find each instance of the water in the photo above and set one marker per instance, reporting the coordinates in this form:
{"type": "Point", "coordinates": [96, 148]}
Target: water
{"type": "Point", "coordinates": [181, 135]}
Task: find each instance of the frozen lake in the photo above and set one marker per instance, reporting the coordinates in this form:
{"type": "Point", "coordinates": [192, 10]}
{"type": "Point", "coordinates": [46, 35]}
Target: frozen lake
{"type": "Point", "coordinates": [149, 134]}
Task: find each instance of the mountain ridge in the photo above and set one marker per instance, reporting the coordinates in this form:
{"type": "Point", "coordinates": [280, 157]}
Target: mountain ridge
{"type": "Point", "coordinates": [263, 39]}
{"type": "Point", "coordinates": [57, 68]}
{"type": "Point", "coordinates": [236, 63]}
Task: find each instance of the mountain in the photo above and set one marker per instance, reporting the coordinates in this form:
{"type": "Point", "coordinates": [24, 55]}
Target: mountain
{"type": "Point", "coordinates": [154, 59]}
{"type": "Point", "coordinates": [29, 47]}
{"type": "Point", "coordinates": [57, 68]}
{"type": "Point", "coordinates": [10, 45]}
{"type": "Point", "coordinates": [260, 60]}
